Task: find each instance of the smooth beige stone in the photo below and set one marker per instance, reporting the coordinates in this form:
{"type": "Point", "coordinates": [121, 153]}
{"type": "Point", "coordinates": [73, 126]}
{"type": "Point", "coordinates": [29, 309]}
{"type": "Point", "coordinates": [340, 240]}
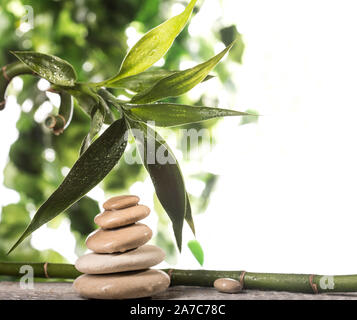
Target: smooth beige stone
{"type": "Point", "coordinates": [119, 240]}
{"type": "Point", "coordinates": [138, 259]}
{"type": "Point", "coordinates": [126, 285]}
{"type": "Point", "coordinates": [120, 202]}
{"type": "Point", "coordinates": [110, 219]}
{"type": "Point", "coordinates": [227, 285]}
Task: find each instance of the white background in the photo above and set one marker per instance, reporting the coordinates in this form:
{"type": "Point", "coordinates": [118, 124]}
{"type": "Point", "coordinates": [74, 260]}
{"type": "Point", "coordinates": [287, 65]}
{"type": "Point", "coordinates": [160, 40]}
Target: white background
{"type": "Point", "coordinates": [286, 198]}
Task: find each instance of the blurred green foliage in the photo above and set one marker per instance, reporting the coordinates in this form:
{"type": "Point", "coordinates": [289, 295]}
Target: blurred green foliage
{"type": "Point", "coordinates": [91, 35]}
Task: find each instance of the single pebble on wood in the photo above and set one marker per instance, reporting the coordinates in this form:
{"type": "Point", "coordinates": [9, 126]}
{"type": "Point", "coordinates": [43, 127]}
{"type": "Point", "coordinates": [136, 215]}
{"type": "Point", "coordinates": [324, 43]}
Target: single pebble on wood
{"type": "Point", "coordinates": [120, 202]}
{"type": "Point", "coordinates": [227, 285]}
{"type": "Point", "coordinates": [119, 240]}
{"type": "Point", "coordinates": [126, 285]}
{"type": "Point", "coordinates": [141, 258]}
{"type": "Point", "coordinates": [110, 219]}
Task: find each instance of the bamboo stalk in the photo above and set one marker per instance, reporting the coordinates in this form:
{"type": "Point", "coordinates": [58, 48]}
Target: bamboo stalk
{"type": "Point", "coordinates": [40, 270]}
{"type": "Point", "coordinates": [303, 283]}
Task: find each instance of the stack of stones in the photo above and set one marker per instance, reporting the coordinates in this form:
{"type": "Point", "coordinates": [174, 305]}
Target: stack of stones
{"type": "Point", "coordinates": [118, 267]}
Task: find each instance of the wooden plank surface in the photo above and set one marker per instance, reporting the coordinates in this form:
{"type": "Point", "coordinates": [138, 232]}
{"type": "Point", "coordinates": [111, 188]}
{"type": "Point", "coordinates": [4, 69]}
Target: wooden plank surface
{"type": "Point", "coordinates": [63, 291]}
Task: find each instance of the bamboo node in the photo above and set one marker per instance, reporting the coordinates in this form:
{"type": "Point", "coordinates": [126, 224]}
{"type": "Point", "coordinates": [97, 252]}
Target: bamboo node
{"type": "Point", "coordinates": [241, 278]}
{"type": "Point", "coordinates": [52, 123]}
{"type": "Point", "coordinates": [312, 284]}
{"type": "Point", "coordinates": [63, 119]}
{"type": "Point", "coordinates": [5, 74]}
{"type": "Point", "coordinates": [51, 90]}
{"type": "Point", "coordinates": [45, 270]}
{"type": "Point", "coordinates": [169, 272]}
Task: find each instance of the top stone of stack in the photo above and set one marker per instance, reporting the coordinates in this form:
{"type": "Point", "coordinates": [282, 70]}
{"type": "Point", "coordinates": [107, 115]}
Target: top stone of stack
{"type": "Point", "coordinates": [121, 211]}
{"type": "Point", "coordinates": [120, 202]}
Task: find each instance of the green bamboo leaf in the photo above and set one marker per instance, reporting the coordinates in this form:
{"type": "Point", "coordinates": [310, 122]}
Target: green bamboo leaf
{"type": "Point", "coordinates": [95, 126]}
{"type": "Point", "coordinates": [171, 114]}
{"type": "Point", "coordinates": [91, 168]}
{"type": "Point", "coordinates": [180, 82]}
{"type": "Point", "coordinates": [153, 45]}
{"type": "Point", "coordinates": [165, 174]}
{"type": "Point", "coordinates": [51, 68]}
{"type": "Point", "coordinates": [144, 80]}
{"type": "Point", "coordinates": [196, 250]}
{"type": "Point", "coordinates": [141, 81]}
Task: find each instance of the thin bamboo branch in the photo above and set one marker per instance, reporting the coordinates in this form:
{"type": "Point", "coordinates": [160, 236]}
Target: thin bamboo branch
{"type": "Point", "coordinates": [58, 123]}
{"type": "Point", "coordinates": [7, 73]}
{"type": "Point", "coordinates": [303, 283]}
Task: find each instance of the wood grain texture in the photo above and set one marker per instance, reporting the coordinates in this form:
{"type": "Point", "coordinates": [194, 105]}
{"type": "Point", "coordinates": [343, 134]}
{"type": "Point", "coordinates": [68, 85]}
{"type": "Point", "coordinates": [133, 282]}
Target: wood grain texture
{"type": "Point", "coordinates": [63, 291]}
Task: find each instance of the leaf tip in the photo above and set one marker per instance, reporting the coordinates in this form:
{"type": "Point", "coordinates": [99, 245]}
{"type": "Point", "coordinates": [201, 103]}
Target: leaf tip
{"type": "Point", "coordinates": [15, 53]}
{"type": "Point", "coordinates": [191, 224]}
{"type": "Point", "coordinates": [196, 250]}
{"type": "Point", "coordinates": [229, 47]}
{"type": "Point", "coordinates": [178, 237]}
{"type": "Point", "coordinates": [192, 227]}
{"type": "Point", "coordinates": [14, 246]}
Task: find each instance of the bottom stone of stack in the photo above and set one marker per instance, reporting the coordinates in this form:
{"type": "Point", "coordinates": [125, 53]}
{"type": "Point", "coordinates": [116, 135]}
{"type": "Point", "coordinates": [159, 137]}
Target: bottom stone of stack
{"type": "Point", "coordinates": [125, 285]}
